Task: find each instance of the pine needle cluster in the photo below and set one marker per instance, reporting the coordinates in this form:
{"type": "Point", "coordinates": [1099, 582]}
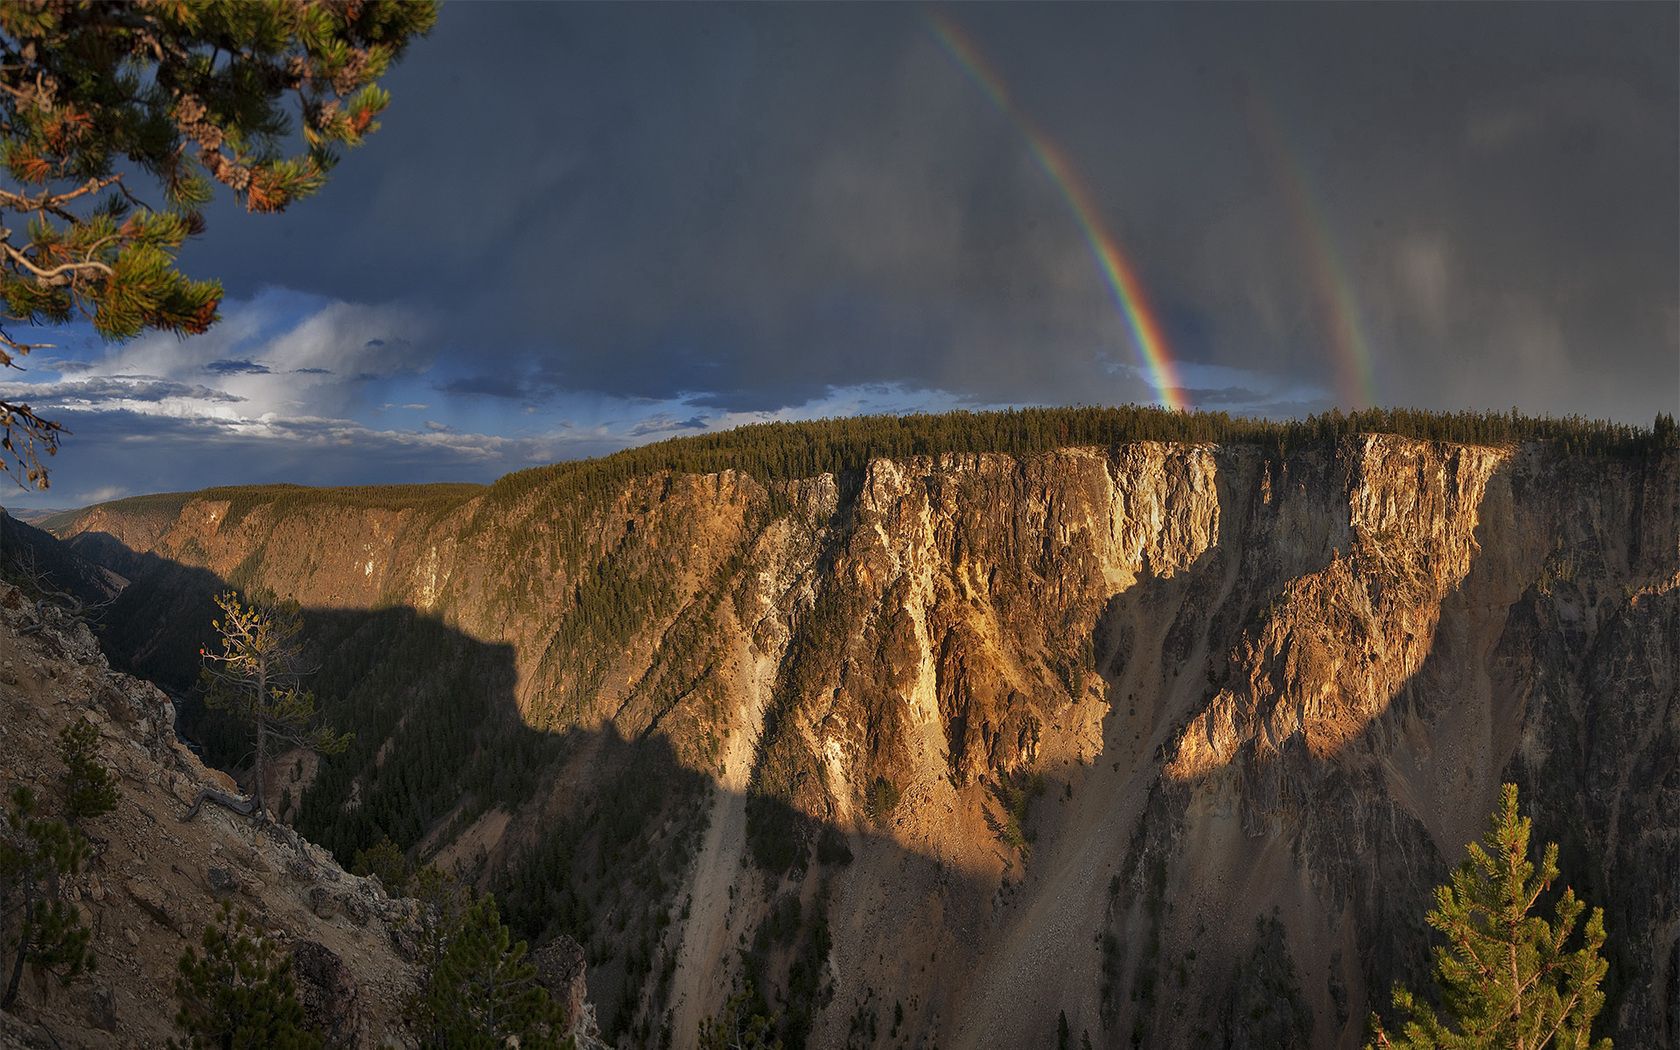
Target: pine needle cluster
{"type": "Point", "coordinates": [118, 120]}
{"type": "Point", "coordinates": [237, 990]}
{"type": "Point", "coordinates": [90, 790]}
{"type": "Point", "coordinates": [36, 927]}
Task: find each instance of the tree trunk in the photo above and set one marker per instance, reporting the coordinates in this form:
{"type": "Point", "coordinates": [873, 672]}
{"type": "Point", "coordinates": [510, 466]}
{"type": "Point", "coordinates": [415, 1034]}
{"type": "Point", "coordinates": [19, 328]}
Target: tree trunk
{"type": "Point", "coordinates": [25, 932]}
{"type": "Point", "coordinates": [241, 806]}
{"type": "Point", "coordinates": [262, 734]}
{"type": "Point", "coordinates": [3, 910]}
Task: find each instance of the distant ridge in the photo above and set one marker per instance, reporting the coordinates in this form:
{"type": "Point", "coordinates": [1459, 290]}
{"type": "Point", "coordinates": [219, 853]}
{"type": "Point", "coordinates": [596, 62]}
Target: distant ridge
{"type": "Point", "coordinates": [35, 515]}
{"type": "Point", "coordinates": [442, 495]}
{"type": "Point", "coordinates": [784, 451]}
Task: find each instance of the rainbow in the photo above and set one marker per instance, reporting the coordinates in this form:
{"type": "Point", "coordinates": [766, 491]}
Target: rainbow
{"type": "Point", "coordinates": [1334, 287]}
{"type": "Point", "coordinates": [1117, 271]}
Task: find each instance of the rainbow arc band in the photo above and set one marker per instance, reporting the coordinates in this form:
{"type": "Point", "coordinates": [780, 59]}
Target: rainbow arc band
{"type": "Point", "coordinates": [1118, 273]}
{"type": "Point", "coordinates": [1333, 287]}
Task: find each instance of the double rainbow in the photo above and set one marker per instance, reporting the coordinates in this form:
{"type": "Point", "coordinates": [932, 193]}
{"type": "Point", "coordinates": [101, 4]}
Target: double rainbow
{"type": "Point", "coordinates": [1118, 272]}
{"type": "Point", "coordinates": [1355, 382]}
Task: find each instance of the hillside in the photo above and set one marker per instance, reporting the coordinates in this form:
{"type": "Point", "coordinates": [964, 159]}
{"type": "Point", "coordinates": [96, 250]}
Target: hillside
{"type": "Point", "coordinates": [154, 881]}
{"type": "Point", "coordinates": [955, 724]}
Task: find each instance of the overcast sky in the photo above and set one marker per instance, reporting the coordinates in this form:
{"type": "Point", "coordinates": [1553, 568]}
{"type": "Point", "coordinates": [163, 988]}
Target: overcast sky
{"type": "Point", "coordinates": [583, 227]}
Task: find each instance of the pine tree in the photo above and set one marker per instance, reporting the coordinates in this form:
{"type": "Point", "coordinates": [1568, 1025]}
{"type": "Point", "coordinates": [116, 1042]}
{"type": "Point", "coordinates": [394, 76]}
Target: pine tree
{"type": "Point", "coordinates": [35, 927]}
{"type": "Point", "coordinates": [89, 788]}
{"type": "Point", "coordinates": [480, 992]}
{"type": "Point", "coordinates": [184, 95]}
{"type": "Point", "coordinates": [239, 994]}
{"type": "Point", "coordinates": [743, 1025]}
{"type": "Point", "coordinates": [257, 676]}
{"type": "Point", "coordinates": [385, 861]}
{"type": "Point", "coordinates": [1506, 979]}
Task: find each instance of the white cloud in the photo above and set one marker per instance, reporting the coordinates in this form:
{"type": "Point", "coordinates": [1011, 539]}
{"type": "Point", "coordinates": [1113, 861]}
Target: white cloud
{"type": "Point", "coordinates": [101, 494]}
{"type": "Point", "coordinates": [277, 356]}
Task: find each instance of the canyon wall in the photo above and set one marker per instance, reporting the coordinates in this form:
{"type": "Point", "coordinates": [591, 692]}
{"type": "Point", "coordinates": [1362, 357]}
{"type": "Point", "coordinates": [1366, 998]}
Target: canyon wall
{"type": "Point", "coordinates": [1172, 739]}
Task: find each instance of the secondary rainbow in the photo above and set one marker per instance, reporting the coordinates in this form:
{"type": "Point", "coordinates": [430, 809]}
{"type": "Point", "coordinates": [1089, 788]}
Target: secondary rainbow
{"type": "Point", "coordinates": [1121, 277]}
{"type": "Point", "coordinates": [1334, 287]}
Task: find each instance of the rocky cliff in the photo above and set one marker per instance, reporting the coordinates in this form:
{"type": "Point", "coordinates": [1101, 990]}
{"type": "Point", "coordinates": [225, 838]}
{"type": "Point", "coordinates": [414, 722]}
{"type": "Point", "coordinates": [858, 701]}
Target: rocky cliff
{"type": "Point", "coordinates": [154, 881]}
{"type": "Point", "coordinates": [1172, 738]}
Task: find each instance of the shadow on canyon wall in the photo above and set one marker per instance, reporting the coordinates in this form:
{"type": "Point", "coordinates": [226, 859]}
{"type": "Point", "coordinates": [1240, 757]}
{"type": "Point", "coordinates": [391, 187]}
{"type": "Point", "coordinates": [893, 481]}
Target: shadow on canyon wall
{"type": "Point", "coordinates": [586, 832]}
{"type": "Point", "coordinates": [1510, 687]}
{"type": "Point", "coordinates": [591, 832]}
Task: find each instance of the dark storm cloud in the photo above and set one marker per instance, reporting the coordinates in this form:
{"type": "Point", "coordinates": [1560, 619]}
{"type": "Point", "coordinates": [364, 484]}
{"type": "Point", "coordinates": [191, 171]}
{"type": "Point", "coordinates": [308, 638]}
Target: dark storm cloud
{"type": "Point", "coordinates": [229, 367]}
{"type": "Point", "coordinates": [754, 204]}
{"type": "Point", "coordinates": [588, 226]}
{"type": "Point", "coordinates": [665, 425]}
{"type": "Point", "coordinates": [503, 386]}
{"type": "Point", "coordinates": [1221, 396]}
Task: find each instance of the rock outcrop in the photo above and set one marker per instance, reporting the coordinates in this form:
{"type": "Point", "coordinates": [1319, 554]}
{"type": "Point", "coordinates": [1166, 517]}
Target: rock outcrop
{"type": "Point", "coordinates": [562, 969]}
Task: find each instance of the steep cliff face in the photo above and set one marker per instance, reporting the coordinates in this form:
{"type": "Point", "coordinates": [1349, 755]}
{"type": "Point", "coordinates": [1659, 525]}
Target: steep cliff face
{"type": "Point", "coordinates": [964, 741]}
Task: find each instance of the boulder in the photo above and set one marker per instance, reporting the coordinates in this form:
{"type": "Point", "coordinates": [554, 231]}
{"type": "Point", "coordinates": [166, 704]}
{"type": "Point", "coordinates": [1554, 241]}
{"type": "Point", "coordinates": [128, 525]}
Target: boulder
{"type": "Point", "coordinates": [396, 911]}
{"type": "Point", "coordinates": [102, 1008]}
{"type": "Point", "coordinates": [327, 991]}
{"type": "Point", "coordinates": [221, 780]}
{"type": "Point", "coordinates": [356, 907]}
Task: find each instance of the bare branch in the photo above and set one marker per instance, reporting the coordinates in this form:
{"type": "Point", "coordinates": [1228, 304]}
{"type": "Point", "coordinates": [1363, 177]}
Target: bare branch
{"type": "Point", "coordinates": [55, 275]}
{"type": "Point", "coordinates": [19, 425]}
{"type": "Point", "coordinates": [20, 349]}
{"type": "Point", "coordinates": [54, 202]}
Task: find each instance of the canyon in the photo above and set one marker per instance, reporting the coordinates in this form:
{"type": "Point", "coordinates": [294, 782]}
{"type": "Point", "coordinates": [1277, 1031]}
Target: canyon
{"type": "Point", "coordinates": [1170, 738]}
